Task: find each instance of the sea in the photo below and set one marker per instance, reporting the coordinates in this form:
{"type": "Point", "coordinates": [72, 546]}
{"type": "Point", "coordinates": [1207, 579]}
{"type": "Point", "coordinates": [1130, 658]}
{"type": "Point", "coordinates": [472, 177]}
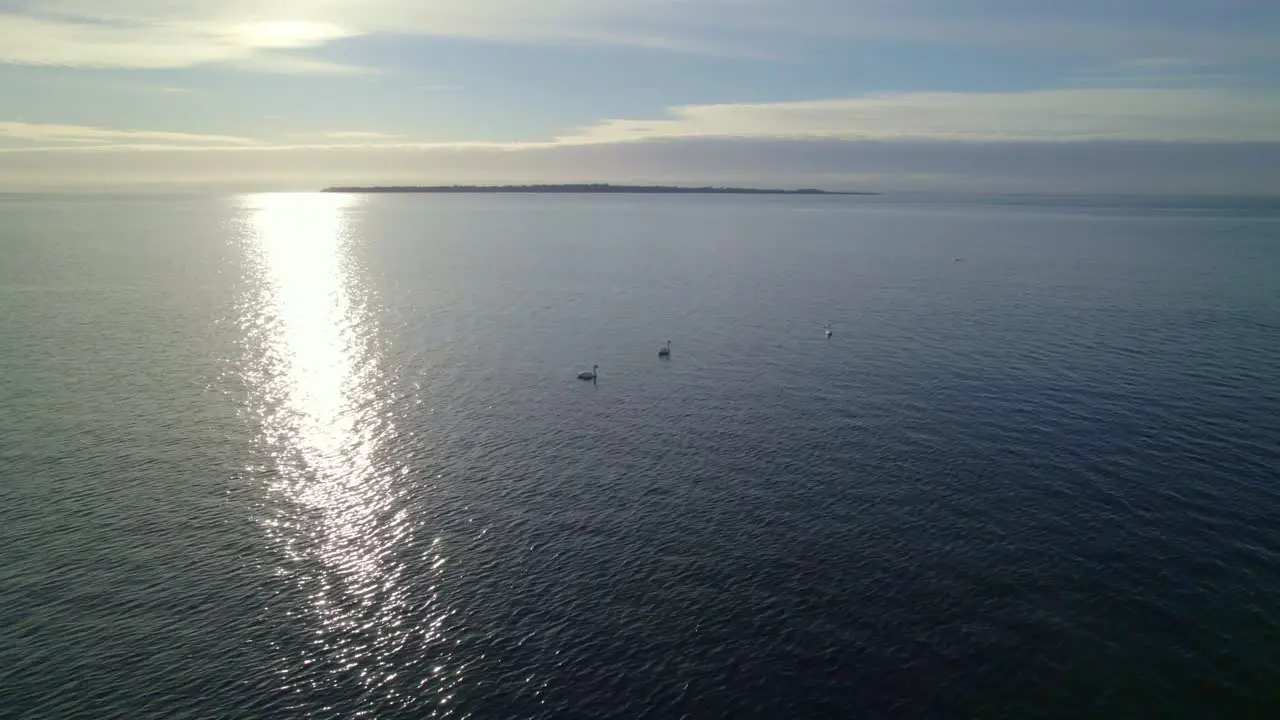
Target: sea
{"type": "Point", "coordinates": [327, 456]}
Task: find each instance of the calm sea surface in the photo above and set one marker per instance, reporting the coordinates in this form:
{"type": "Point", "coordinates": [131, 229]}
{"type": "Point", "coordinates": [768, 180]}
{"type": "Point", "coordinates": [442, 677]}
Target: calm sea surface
{"type": "Point", "coordinates": [321, 456]}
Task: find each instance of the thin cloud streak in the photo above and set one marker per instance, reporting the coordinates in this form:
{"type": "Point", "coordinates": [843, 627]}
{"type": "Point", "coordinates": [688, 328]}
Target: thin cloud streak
{"type": "Point", "coordinates": [36, 132]}
{"type": "Point", "coordinates": [1051, 115]}
{"type": "Point", "coordinates": [1124, 167]}
{"type": "Point", "coordinates": [281, 63]}
{"type": "Point", "coordinates": [361, 135]}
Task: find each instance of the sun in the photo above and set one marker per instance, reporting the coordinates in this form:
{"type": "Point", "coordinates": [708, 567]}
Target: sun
{"type": "Point", "coordinates": [289, 34]}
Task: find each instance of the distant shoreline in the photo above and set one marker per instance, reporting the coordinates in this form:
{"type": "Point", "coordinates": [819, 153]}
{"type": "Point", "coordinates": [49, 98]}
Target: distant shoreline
{"type": "Point", "coordinates": [600, 188]}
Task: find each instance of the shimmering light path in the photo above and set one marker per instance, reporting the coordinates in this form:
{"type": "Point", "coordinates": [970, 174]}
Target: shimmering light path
{"type": "Point", "coordinates": [307, 456]}
{"type": "Point", "coordinates": [337, 508]}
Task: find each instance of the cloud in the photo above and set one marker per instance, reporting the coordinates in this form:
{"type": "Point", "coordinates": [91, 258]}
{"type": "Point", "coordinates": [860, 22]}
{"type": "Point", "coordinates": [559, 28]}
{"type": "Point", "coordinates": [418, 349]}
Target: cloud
{"type": "Point", "coordinates": [45, 133]}
{"type": "Point", "coordinates": [171, 34]}
{"type": "Point", "coordinates": [610, 20]}
{"type": "Point", "coordinates": [288, 64]}
{"type": "Point", "coordinates": [1161, 72]}
{"type": "Point", "coordinates": [1080, 29]}
{"type": "Point", "coordinates": [1058, 116]}
{"type": "Point", "coordinates": [1052, 115]}
{"type": "Point", "coordinates": [353, 135]}
{"type": "Point", "coordinates": [1088, 167]}
{"type": "Point", "coordinates": [152, 44]}
{"type": "Point", "coordinates": [1100, 140]}
{"type": "Point", "coordinates": [159, 34]}
{"type": "Point", "coordinates": [892, 166]}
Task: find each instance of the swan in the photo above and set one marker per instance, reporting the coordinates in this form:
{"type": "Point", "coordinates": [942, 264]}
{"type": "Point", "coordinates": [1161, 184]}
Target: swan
{"type": "Point", "coordinates": [665, 351]}
{"type": "Point", "coordinates": [584, 375]}
{"type": "Point", "coordinates": [828, 326]}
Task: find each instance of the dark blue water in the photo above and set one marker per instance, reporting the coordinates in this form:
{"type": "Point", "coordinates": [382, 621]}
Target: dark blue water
{"type": "Point", "coordinates": [325, 457]}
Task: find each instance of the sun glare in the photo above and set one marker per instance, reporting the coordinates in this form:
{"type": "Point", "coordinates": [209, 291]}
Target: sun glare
{"type": "Point", "coordinates": [289, 34]}
{"type": "Point", "coordinates": [339, 519]}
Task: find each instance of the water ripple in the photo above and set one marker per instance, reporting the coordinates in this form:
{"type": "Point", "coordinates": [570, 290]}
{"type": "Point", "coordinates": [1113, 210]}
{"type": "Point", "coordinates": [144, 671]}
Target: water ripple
{"type": "Point", "coordinates": [305, 456]}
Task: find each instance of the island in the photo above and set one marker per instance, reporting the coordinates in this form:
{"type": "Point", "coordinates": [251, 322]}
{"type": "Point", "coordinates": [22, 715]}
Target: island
{"type": "Point", "coordinates": [586, 188]}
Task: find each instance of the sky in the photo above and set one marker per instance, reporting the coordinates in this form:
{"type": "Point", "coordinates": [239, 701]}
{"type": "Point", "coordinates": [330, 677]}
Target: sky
{"type": "Point", "coordinates": [1090, 96]}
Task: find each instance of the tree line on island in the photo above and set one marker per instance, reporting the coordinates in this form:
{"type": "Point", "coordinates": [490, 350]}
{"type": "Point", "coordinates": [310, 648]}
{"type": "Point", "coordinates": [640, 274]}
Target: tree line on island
{"type": "Point", "coordinates": [585, 188]}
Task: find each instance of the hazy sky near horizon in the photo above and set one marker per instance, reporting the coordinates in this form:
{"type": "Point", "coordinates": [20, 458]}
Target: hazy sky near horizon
{"type": "Point", "coordinates": [989, 95]}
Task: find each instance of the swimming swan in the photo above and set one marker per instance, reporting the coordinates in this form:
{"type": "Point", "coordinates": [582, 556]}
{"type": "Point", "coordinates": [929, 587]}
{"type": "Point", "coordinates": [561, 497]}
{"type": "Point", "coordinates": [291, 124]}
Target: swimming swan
{"type": "Point", "coordinates": [665, 351]}
{"type": "Point", "coordinates": [584, 375]}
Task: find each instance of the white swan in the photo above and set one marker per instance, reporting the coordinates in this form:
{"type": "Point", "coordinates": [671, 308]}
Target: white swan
{"type": "Point", "coordinates": [665, 351]}
{"type": "Point", "coordinates": [584, 375]}
{"type": "Point", "coordinates": [828, 326]}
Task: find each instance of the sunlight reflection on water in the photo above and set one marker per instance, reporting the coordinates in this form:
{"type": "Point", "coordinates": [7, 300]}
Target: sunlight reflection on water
{"type": "Point", "coordinates": [337, 512]}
